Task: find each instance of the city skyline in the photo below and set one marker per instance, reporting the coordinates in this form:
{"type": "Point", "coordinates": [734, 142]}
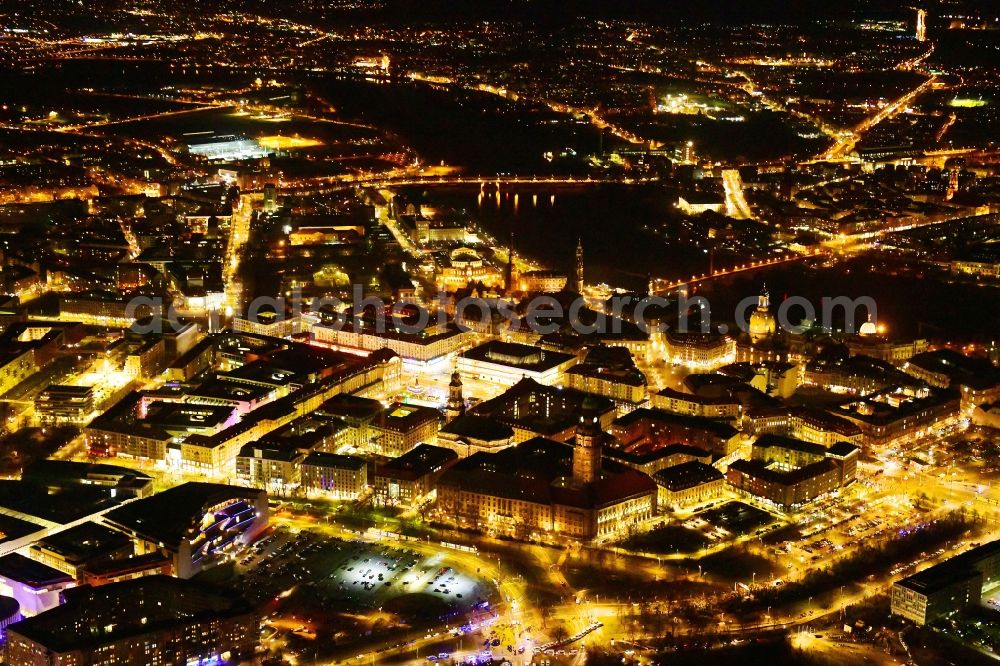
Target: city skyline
{"type": "Point", "coordinates": [499, 333]}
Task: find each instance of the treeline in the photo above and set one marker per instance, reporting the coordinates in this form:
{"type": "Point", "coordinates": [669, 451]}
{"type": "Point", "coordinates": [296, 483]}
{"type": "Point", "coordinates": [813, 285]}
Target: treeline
{"type": "Point", "coordinates": [872, 560]}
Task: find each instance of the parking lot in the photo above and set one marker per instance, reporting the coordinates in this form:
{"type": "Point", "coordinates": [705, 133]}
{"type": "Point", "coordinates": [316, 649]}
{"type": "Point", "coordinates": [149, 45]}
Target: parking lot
{"type": "Point", "coordinates": [729, 520]}
{"type": "Point", "coordinates": [360, 573]}
{"type": "Point", "coordinates": [320, 591]}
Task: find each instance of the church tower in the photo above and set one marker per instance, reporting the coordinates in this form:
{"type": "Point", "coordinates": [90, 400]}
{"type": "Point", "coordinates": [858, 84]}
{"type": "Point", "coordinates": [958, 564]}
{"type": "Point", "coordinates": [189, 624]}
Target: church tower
{"type": "Point", "coordinates": [587, 447]}
{"type": "Point", "coordinates": [509, 277]}
{"type": "Point", "coordinates": [762, 324]}
{"type": "Point", "coordinates": [456, 401]}
{"type": "Point", "coordinates": [579, 266]}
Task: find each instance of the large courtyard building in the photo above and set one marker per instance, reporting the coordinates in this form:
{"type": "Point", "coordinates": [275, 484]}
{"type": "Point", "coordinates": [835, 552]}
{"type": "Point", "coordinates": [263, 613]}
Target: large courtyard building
{"type": "Point", "coordinates": [698, 351]}
{"type": "Point", "coordinates": [895, 415]}
{"type": "Point", "coordinates": [507, 363]}
{"type": "Point", "coordinates": [536, 410]}
{"type": "Point", "coordinates": [401, 427]}
{"type": "Point", "coordinates": [469, 433]}
{"type": "Point", "coordinates": [610, 372]}
{"type": "Point", "coordinates": [542, 489]}
{"type": "Point", "coordinates": [649, 438]}
{"type": "Point", "coordinates": [789, 473]}
{"type": "Point", "coordinates": [688, 484]}
{"type": "Point", "coordinates": [976, 379]}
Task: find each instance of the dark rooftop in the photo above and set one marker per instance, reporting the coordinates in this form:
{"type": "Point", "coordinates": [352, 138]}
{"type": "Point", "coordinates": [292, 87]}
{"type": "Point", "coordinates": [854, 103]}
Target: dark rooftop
{"type": "Point", "coordinates": [539, 470]}
{"type": "Point", "coordinates": [17, 567]}
{"type": "Point", "coordinates": [687, 475]}
{"type": "Point", "coordinates": [402, 417]}
{"type": "Point", "coordinates": [524, 357]}
{"type": "Point", "coordinates": [961, 370]}
{"type": "Point", "coordinates": [57, 504]}
{"type": "Point", "coordinates": [166, 517]}
{"type": "Point", "coordinates": [84, 542]}
{"type": "Point", "coordinates": [323, 459]}
{"type": "Point", "coordinates": [92, 616]}
{"type": "Point", "coordinates": [351, 407]}
{"type": "Point", "coordinates": [423, 459]}
{"type": "Point", "coordinates": [477, 427]}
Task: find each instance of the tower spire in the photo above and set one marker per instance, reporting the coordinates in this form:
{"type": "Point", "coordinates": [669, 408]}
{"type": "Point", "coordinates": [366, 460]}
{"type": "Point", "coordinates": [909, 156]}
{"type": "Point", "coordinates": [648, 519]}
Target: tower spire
{"type": "Point", "coordinates": [509, 276]}
{"type": "Point", "coordinates": [455, 406]}
{"type": "Point", "coordinates": [588, 444]}
{"type": "Point", "coordinates": [579, 265]}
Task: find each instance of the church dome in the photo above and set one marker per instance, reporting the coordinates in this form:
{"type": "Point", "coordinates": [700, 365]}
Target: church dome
{"type": "Point", "coordinates": [869, 327]}
{"type": "Point", "coordinates": [762, 324]}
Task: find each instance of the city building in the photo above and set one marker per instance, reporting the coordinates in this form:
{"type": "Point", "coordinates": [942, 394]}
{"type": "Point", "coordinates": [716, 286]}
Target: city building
{"type": "Point", "coordinates": [789, 473]}
{"type": "Point", "coordinates": [110, 308]}
{"type": "Point", "coordinates": [310, 433]}
{"type": "Point", "coordinates": [10, 612]}
{"type": "Point", "coordinates": [358, 413]}
{"type": "Point", "coordinates": [272, 468]}
{"type": "Point", "coordinates": [146, 358]}
{"type": "Point", "coordinates": [645, 434]}
{"type": "Point", "coordinates": [401, 427]}
{"type": "Point", "coordinates": [542, 489]}
{"type": "Point", "coordinates": [893, 415]}
{"type": "Point", "coordinates": [193, 361]}
{"type": "Point", "coordinates": [130, 568]}
{"type": "Point", "coordinates": [808, 424]}
{"type": "Point", "coordinates": [270, 324]}
{"type": "Point", "coordinates": [470, 433]}
{"type": "Point", "coordinates": [541, 281]}
{"type": "Point", "coordinates": [979, 264]}
{"type": "Point", "coordinates": [976, 379]}
{"type": "Point", "coordinates": [80, 547]}
{"type": "Point", "coordinates": [465, 266]}
{"type": "Point", "coordinates": [987, 415]}
{"type": "Point", "coordinates": [65, 404]}
{"type": "Point", "coordinates": [609, 372]}
{"type": "Point", "coordinates": [34, 585]}
{"type": "Point", "coordinates": [123, 482]}
{"type": "Point", "coordinates": [335, 476]}
{"type": "Point", "coordinates": [700, 351]}
{"type": "Point", "coordinates": [507, 363]}
{"type": "Point", "coordinates": [150, 620]}
{"type": "Point", "coordinates": [16, 366]}
{"type": "Point", "coordinates": [537, 410]}
{"type": "Point", "coordinates": [181, 419]}
{"type": "Point", "coordinates": [196, 524]}
{"type": "Point", "coordinates": [696, 203]}
{"type": "Point", "coordinates": [688, 484]}
{"type": "Point", "coordinates": [411, 479]}
{"type": "Point", "coordinates": [688, 404]}
{"type": "Point", "coordinates": [650, 458]}
{"type": "Point", "coordinates": [949, 587]}
{"type": "Point", "coordinates": [884, 348]}
{"type": "Point", "coordinates": [138, 440]}
{"type": "Point", "coordinates": [428, 345]}
{"type": "Point", "coordinates": [762, 322]}
{"type": "Point", "coordinates": [852, 375]}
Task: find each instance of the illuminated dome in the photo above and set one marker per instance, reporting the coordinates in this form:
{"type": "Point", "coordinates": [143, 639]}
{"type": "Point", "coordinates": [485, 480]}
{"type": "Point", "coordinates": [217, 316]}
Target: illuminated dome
{"type": "Point", "coordinates": [762, 324]}
{"type": "Point", "coordinates": [869, 328]}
